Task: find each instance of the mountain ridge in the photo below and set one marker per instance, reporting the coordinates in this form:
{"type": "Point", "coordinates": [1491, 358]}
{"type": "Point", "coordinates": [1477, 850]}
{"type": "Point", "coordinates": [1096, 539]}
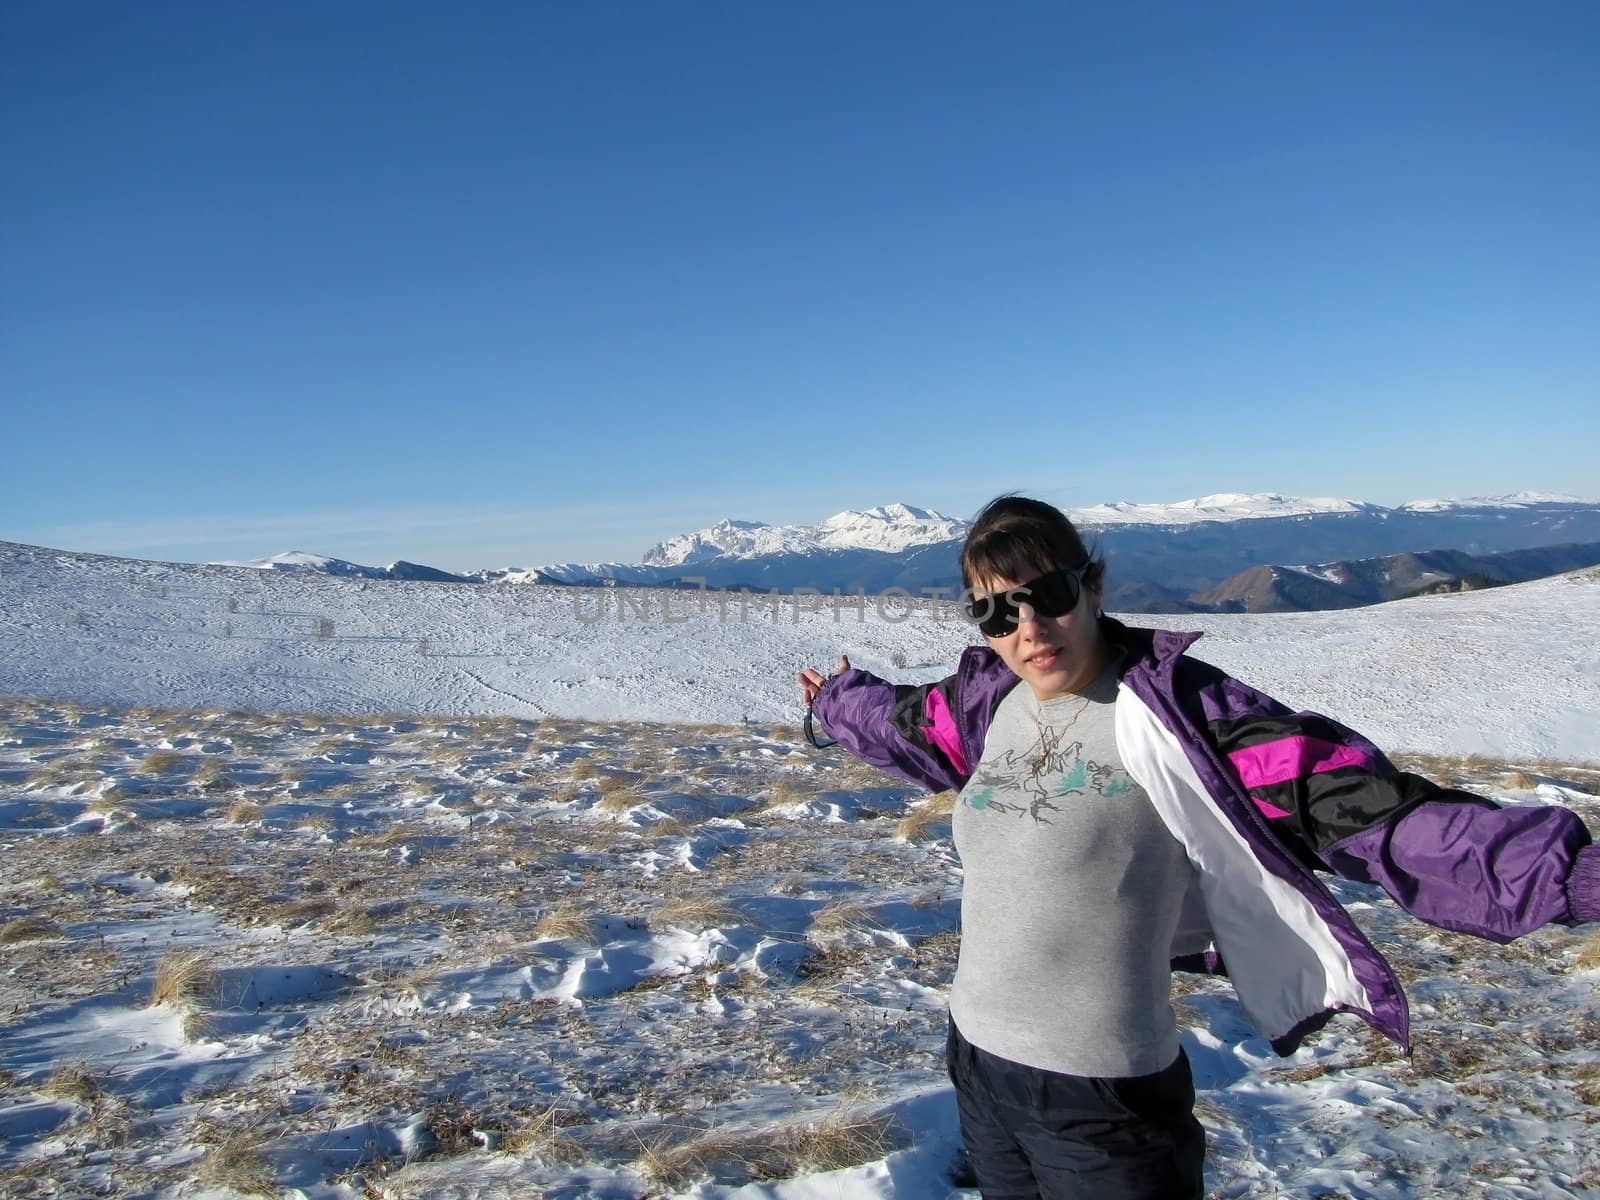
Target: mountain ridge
{"type": "Point", "coordinates": [1161, 556]}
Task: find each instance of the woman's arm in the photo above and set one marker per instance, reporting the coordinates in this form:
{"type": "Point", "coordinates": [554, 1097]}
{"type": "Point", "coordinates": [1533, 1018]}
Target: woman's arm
{"type": "Point", "coordinates": [1450, 857]}
{"type": "Point", "coordinates": [908, 731]}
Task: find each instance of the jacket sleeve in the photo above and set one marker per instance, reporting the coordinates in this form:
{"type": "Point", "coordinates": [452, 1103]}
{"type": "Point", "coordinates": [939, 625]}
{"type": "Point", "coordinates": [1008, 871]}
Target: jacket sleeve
{"type": "Point", "coordinates": [908, 731]}
{"type": "Point", "coordinates": [1452, 858]}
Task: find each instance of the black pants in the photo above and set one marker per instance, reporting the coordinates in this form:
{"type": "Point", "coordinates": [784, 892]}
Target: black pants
{"type": "Point", "coordinates": [1041, 1135]}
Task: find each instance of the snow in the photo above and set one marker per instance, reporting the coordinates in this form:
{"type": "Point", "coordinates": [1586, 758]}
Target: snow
{"type": "Point", "coordinates": [890, 528]}
{"type": "Point", "coordinates": [1224, 506]}
{"type": "Point", "coordinates": [1521, 499]}
{"type": "Point", "coordinates": [895, 528]}
{"type": "Point", "coordinates": [387, 1018]}
{"type": "Point", "coordinates": [300, 560]}
{"type": "Point", "coordinates": [1410, 674]}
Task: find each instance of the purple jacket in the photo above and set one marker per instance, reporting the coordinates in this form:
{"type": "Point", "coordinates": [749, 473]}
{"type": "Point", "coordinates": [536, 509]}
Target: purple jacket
{"type": "Point", "coordinates": [1263, 799]}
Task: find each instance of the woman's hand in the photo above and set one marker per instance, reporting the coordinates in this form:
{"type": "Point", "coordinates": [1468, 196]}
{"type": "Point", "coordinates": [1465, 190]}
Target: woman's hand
{"type": "Point", "coordinates": [811, 680]}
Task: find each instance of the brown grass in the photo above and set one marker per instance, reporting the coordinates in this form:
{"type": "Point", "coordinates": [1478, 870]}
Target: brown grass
{"type": "Point", "coordinates": [843, 916]}
{"type": "Point", "coordinates": [927, 818]}
{"type": "Point", "coordinates": [28, 929]}
{"type": "Point", "coordinates": [183, 978]}
{"type": "Point", "coordinates": [582, 769]}
{"type": "Point", "coordinates": [300, 912]}
{"type": "Point", "coordinates": [671, 1163]}
{"type": "Point", "coordinates": [161, 762]}
{"type": "Point", "coordinates": [620, 799]}
{"type": "Point", "coordinates": [108, 801]}
{"type": "Point", "coordinates": [213, 776]}
{"type": "Point", "coordinates": [565, 922]}
{"type": "Point", "coordinates": [1588, 953]}
{"type": "Point", "coordinates": [64, 772]}
{"type": "Point", "coordinates": [238, 1165]}
{"type": "Point", "coordinates": [696, 913]}
{"type": "Point", "coordinates": [845, 1138]}
{"type": "Point", "coordinates": [73, 1082]}
{"type": "Point", "coordinates": [355, 920]}
{"type": "Point", "coordinates": [543, 1138]}
{"type": "Point", "coordinates": [397, 834]}
{"type": "Point", "coordinates": [243, 812]}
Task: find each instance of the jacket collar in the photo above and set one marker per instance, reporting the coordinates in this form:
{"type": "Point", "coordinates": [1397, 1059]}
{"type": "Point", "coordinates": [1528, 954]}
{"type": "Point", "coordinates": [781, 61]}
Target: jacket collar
{"type": "Point", "coordinates": [1156, 650]}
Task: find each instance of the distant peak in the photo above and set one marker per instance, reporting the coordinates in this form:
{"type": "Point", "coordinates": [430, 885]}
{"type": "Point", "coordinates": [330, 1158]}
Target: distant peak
{"type": "Point", "coordinates": [1513, 500]}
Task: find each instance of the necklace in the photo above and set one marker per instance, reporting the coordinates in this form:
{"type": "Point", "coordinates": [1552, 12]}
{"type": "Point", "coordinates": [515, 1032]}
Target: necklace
{"type": "Point", "coordinates": [1050, 738]}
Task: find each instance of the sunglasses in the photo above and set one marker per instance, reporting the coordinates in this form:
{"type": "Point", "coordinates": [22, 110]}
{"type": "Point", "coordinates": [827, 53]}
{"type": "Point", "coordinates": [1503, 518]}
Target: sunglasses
{"type": "Point", "coordinates": [1054, 594]}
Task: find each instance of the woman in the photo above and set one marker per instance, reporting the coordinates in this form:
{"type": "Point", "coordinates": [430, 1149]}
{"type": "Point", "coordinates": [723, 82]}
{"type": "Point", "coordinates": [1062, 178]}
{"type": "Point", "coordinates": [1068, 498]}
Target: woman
{"type": "Point", "coordinates": [1132, 810]}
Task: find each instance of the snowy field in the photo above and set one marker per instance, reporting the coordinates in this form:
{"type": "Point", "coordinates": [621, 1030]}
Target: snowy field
{"type": "Point", "coordinates": [315, 888]}
{"type": "Point", "coordinates": [1511, 672]}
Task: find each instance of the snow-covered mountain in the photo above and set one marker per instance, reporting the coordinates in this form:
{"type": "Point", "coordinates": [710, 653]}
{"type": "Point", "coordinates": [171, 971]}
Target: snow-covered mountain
{"type": "Point", "coordinates": [300, 560]}
{"type": "Point", "coordinates": [1513, 500]}
{"type": "Point", "coordinates": [321, 564]}
{"type": "Point", "coordinates": [888, 529]}
{"type": "Point", "coordinates": [1224, 506]}
{"type": "Point", "coordinates": [1162, 555]}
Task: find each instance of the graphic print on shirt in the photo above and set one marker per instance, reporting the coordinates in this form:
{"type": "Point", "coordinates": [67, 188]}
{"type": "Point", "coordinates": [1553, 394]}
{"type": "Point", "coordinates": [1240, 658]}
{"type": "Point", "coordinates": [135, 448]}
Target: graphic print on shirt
{"type": "Point", "coordinates": [1033, 781]}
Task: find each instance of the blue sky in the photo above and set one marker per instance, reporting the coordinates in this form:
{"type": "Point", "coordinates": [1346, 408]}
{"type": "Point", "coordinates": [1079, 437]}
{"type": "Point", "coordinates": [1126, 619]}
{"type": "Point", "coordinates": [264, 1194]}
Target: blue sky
{"type": "Point", "coordinates": [492, 284]}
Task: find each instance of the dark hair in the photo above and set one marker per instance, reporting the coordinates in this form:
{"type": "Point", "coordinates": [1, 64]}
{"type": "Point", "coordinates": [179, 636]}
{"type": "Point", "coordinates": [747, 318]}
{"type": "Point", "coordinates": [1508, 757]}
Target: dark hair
{"type": "Point", "coordinates": [1019, 539]}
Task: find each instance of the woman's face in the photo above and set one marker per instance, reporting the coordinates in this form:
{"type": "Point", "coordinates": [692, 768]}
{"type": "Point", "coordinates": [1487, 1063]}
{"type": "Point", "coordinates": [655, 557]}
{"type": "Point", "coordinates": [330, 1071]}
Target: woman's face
{"type": "Point", "coordinates": [1055, 656]}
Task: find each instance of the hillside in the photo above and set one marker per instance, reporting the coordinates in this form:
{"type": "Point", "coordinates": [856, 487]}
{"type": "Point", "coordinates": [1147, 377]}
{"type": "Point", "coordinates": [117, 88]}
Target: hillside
{"type": "Point", "coordinates": [1377, 580]}
{"type": "Point", "coordinates": [122, 631]}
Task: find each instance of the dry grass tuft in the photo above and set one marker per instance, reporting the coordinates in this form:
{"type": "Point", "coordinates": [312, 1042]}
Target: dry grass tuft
{"type": "Point", "coordinates": [452, 1127]}
{"type": "Point", "coordinates": [61, 773]}
{"type": "Point", "coordinates": [73, 1082]}
{"type": "Point", "coordinates": [1520, 781]}
{"type": "Point", "coordinates": [843, 916]}
{"type": "Point", "coordinates": [162, 762]}
{"type": "Point", "coordinates": [356, 920]}
{"type": "Point", "coordinates": [668, 827]}
{"type": "Point", "coordinates": [846, 1137]}
{"type": "Point", "coordinates": [565, 922]}
{"type": "Point", "coordinates": [543, 1138]}
{"type": "Point", "coordinates": [28, 929]}
{"type": "Point", "coordinates": [926, 818]}
{"type": "Point", "coordinates": [183, 979]}
{"type": "Point", "coordinates": [671, 1162]}
{"type": "Point", "coordinates": [244, 812]}
{"type": "Point", "coordinates": [785, 792]}
{"type": "Point", "coordinates": [238, 1165]}
{"type": "Point", "coordinates": [582, 769]}
{"type": "Point", "coordinates": [108, 802]}
{"type": "Point", "coordinates": [696, 913]}
{"type": "Point", "coordinates": [620, 800]}
{"type": "Point", "coordinates": [397, 834]}
{"type": "Point", "coordinates": [1589, 953]}
{"type": "Point", "coordinates": [854, 775]}
{"type": "Point", "coordinates": [300, 912]}
{"type": "Point", "coordinates": [213, 776]}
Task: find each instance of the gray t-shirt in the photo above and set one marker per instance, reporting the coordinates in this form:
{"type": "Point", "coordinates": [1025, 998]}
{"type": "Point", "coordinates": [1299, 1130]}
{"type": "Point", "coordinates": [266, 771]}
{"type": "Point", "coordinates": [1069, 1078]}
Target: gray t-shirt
{"type": "Point", "coordinates": [1072, 893]}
